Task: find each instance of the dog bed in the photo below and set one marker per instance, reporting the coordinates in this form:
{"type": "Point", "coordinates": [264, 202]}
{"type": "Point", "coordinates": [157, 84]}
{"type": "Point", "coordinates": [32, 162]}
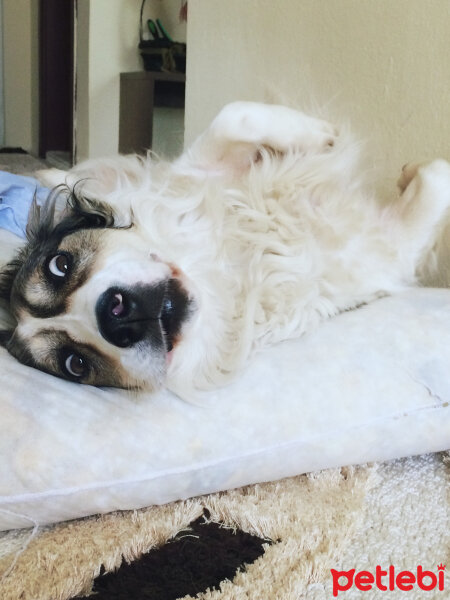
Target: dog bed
{"type": "Point", "coordinates": [371, 384]}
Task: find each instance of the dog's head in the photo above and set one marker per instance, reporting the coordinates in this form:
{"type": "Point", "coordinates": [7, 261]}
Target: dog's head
{"type": "Point", "coordinates": [92, 302]}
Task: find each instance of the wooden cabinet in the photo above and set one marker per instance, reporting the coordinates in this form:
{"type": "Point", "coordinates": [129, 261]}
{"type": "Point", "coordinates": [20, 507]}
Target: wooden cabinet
{"type": "Point", "coordinates": [140, 93]}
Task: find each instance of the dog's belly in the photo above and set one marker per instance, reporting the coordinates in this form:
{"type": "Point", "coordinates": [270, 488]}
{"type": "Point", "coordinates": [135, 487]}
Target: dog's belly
{"type": "Point", "coordinates": [276, 271]}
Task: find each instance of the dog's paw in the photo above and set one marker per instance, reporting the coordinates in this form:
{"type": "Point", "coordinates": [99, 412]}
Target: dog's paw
{"type": "Point", "coordinates": [409, 171]}
{"type": "Point", "coordinates": [277, 127]}
{"type": "Point", "coordinates": [437, 170]}
{"type": "Point", "coordinates": [299, 132]}
{"type": "Point", "coordinates": [318, 136]}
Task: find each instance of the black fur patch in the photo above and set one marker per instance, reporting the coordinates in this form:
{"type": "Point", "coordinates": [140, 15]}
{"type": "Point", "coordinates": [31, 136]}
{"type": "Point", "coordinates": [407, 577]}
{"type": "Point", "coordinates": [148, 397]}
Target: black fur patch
{"type": "Point", "coordinates": [192, 562]}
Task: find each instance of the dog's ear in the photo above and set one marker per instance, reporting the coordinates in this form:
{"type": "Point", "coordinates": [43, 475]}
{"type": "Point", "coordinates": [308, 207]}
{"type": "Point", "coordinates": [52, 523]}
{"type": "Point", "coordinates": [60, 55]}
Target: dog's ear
{"type": "Point", "coordinates": [87, 213]}
{"type": "Point", "coordinates": [8, 274]}
{"type": "Point", "coordinates": [75, 212]}
{"type": "Point", "coordinates": [97, 185]}
{"type": "Point", "coordinates": [41, 217]}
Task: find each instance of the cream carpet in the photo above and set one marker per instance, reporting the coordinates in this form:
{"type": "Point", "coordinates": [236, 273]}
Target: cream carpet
{"type": "Point", "coordinates": [20, 164]}
{"type": "Point", "coordinates": [396, 513]}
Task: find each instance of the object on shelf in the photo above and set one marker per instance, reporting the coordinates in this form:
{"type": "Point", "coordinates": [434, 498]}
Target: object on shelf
{"type": "Point", "coordinates": [183, 11]}
{"type": "Point", "coordinates": [161, 53]}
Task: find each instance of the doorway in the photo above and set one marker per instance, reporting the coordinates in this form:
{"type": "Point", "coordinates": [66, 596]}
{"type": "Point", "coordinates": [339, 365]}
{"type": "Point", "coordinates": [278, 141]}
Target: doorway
{"type": "Point", "coordinates": [56, 81]}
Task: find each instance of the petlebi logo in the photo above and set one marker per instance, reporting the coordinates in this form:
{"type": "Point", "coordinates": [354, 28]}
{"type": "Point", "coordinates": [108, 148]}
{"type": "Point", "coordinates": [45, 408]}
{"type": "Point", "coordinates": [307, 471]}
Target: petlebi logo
{"type": "Point", "coordinates": [388, 579]}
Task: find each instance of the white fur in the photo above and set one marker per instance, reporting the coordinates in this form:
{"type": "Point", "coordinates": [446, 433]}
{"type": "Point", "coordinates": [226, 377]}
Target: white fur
{"type": "Point", "coordinates": [270, 220]}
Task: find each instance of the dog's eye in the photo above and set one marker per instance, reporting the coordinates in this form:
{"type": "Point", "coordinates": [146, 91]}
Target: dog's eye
{"type": "Point", "coordinates": [75, 365]}
{"type": "Point", "coordinates": [59, 265]}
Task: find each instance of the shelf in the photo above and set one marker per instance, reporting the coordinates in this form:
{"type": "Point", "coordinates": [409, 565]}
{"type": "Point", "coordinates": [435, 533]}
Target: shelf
{"type": "Point", "coordinates": [140, 93]}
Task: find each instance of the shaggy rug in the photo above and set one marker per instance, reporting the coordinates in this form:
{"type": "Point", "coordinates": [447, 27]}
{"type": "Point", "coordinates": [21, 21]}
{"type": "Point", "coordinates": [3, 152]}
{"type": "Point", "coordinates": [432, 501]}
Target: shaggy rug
{"type": "Point", "coordinates": [276, 540]}
{"type": "Point", "coordinates": [307, 537]}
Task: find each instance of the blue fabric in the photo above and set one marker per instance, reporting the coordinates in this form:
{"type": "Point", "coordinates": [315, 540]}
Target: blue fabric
{"type": "Point", "coordinates": [16, 195]}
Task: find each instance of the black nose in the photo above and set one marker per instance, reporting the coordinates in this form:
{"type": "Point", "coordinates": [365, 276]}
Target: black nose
{"type": "Point", "coordinates": [125, 316]}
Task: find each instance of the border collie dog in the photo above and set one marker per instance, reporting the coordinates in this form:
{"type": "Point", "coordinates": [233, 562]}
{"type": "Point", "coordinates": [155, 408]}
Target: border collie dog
{"type": "Point", "coordinates": [172, 274]}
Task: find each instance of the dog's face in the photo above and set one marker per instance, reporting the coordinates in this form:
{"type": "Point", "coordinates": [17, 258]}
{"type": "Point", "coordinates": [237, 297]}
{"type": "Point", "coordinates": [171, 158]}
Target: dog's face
{"type": "Point", "coordinates": [93, 303]}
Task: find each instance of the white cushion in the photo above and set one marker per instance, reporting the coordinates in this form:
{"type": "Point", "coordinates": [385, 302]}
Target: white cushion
{"type": "Point", "coordinates": [371, 384]}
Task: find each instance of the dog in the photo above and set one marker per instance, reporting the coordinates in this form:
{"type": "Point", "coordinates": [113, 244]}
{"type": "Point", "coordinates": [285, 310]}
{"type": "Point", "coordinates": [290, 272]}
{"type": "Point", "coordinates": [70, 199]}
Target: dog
{"type": "Point", "coordinates": [173, 273]}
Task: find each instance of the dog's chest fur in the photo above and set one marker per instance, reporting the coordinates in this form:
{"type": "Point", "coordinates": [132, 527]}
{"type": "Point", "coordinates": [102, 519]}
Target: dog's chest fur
{"type": "Point", "coordinates": [269, 253]}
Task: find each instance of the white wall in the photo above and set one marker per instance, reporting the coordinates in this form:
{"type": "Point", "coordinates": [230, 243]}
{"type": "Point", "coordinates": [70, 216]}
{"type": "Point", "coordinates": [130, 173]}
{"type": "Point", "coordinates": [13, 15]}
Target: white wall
{"type": "Point", "coordinates": [106, 40]}
{"type": "Point", "coordinates": [384, 64]}
{"type": "Point", "coordinates": [20, 68]}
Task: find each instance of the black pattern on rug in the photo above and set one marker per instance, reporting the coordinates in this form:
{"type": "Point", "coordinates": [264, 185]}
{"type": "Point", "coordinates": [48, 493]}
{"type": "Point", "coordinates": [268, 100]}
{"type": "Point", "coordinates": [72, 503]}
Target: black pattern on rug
{"type": "Point", "coordinates": [196, 559]}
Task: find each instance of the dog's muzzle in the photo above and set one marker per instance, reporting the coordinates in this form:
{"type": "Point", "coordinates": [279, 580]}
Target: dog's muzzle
{"type": "Point", "coordinates": [153, 313]}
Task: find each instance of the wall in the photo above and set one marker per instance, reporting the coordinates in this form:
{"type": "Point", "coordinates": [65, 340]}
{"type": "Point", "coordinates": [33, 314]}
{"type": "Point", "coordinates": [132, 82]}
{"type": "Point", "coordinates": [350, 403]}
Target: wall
{"type": "Point", "coordinates": [106, 45]}
{"type": "Point", "coordinates": [20, 69]}
{"type": "Point", "coordinates": [108, 37]}
{"type": "Point", "coordinates": [385, 65]}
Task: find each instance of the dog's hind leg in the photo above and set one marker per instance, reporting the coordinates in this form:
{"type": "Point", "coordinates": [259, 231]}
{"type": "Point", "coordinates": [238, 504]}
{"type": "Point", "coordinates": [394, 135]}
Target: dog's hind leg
{"type": "Point", "coordinates": [237, 133]}
{"type": "Point", "coordinates": [423, 209]}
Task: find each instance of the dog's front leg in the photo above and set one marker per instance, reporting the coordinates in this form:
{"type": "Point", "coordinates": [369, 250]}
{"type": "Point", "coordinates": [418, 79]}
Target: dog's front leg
{"type": "Point", "coordinates": [241, 129]}
{"type": "Point", "coordinates": [423, 211]}
{"type": "Point", "coordinates": [425, 195]}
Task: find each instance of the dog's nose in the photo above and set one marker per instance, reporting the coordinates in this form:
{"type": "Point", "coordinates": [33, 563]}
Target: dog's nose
{"type": "Point", "coordinates": [124, 316]}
